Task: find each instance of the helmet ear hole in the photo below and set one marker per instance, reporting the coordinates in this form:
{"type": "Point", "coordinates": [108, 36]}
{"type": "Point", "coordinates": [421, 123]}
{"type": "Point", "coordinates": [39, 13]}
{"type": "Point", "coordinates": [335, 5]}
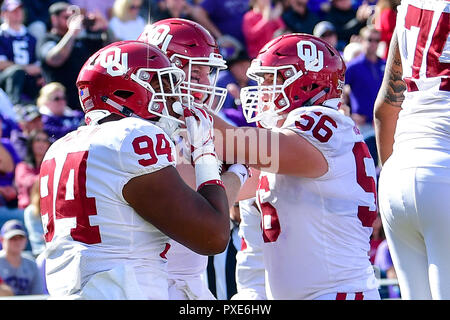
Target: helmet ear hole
{"type": "Point", "coordinates": [310, 87]}
{"type": "Point", "coordinates": [124, 94]}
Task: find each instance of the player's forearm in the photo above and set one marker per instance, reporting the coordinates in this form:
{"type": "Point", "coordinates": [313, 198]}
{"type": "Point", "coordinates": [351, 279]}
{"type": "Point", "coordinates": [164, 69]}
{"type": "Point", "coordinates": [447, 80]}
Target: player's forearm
{"type": "Point", "coordinates": [217, 198]}
{"type": "Point", "coordinates": [388, 103]}
{"type": "Point", "coordinates": [246, 145]}
{"type": "Point", "coordinates": [385, 121]}
{"type": "Point", "coordinates": [232, 186]}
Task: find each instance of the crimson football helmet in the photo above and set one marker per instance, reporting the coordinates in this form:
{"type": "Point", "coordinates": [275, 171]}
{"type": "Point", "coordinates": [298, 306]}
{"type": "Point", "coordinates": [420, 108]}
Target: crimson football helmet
{"type": "Point", "coordinates": [292, 71]}
{"type": "Point", "coordinates": [188, 43]}
{"type": "Point", "coordinates": [131, 78]}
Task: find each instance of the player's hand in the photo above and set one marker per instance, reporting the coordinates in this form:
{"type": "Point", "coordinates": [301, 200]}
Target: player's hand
{"type": "Point", "coordinates": [200, 132]}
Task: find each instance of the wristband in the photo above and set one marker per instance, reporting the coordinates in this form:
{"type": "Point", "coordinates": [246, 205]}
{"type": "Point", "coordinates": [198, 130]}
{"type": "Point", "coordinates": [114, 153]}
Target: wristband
{"type": "Point", "coordinates": [206, 169]}
{"type": "Point", "coordinates": [211, 182]}
{"type": "Point", "coordinates": [241, 171]}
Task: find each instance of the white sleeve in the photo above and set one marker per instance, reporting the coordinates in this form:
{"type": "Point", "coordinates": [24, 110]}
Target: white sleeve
{"type": "Point", "coordinates": [146, 150]}
{"type": "Point", "coordinates": [331, 132]}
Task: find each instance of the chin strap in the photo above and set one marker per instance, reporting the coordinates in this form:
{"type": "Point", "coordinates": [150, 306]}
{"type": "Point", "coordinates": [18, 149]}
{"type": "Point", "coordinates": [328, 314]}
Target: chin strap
{"type": "Point", "coordinates": [123, 110]}
{"type": "Point", "coordinates": [312, 100]}
{"type": "Point", "coordinates": [170, 127]}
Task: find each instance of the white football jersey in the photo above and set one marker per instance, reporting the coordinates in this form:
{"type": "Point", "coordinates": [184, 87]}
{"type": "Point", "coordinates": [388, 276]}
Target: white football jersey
{"type": "Point", "coordinates": [250, 271]}
{"type": "Point", "coordinates": [316, 231]}
{"type": "Point", "coordinates": [423, 35]}
{"type": "Point", "coordinates": [423, 127]}
{"type": "Point", "coordinates": [89, 226]}
{"type": "Point", "coordinates": [183, 262]}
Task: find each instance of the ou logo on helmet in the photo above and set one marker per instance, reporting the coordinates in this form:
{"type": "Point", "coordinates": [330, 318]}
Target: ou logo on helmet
{"type": "Point", "coordinates": [159, 36]}
{"type": "Point", "coordinates": [114, 61]}
{"type": "Point", "coordinates": [313, 58]}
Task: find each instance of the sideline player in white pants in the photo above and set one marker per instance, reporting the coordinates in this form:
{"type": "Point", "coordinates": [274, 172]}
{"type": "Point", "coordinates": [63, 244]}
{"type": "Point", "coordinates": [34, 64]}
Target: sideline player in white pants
{"type": "Point", "coordinates": [413, 108]}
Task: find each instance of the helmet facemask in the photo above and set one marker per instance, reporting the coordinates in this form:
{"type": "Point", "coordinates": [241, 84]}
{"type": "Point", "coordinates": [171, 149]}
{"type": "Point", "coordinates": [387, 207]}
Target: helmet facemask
{"type": "Point", "coordinates": [206, 95]}
{"type": "Point", "coordinates": [266, 102]}
{"type": "Point", "coordinates": [167, 88]}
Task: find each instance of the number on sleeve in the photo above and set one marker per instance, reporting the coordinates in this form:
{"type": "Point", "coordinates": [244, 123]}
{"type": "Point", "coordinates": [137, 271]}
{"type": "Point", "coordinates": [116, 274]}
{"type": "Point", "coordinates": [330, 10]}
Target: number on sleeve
{"type": "Point", "coordinates": [144, 145]}
{"type": "Point", "coordinates": [321, 131]}
{"type": "Point", "coordinates": [163, 146]}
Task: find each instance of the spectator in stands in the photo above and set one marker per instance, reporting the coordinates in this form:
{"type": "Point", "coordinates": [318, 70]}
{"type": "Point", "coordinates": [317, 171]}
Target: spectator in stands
{"type": "Point", "coordinates": [6, 106]}
{"type": "Point", "coordinates": [165, 9]}
{"type": "Point", "coordinates": [29, 120]}
{"type": "Point", "coordinates": [383, 260]}
{"type": "Point", "coordinates": [18, 270]}
{"type": "Point", "coordinates": [346, 20]}
{"type": "Point", "coordinates": [33, 222]}
{"type": "Point", "coordinates": [8, 161]}
{"type": "Point", "coordinates": [103, 7]}
{"type": "Point", "coordinates": [385, 20]}
{"type": "Point", "coordinates": [327, 32]}
{"type": "Point", "coordinates": [358, 3]}
{"type": "Point", "coordinates": [126, 23]}
{"type": "Point", "coordinates": [21, 75]}
{"type": "Point", "coordinates": [235, 78]}
{"type": "Point", "coordinates": [5, 290]}
{"type": "Point", "coordinates": [319, 7]}
{"type": "Point", "coordinates": [58, 119]}
{"type": "Point", "coordinates": [224, 20]}
{"type": "Point", "coordinates": [36, 16]}
{"type": "Point", "coordinates": [298, 18]}
{"type": "Point", "coordinates": [351, 51]}
{"type": "Point", "coordinates": [8, 125]}
{"type": "Point", "coordinates": [363, 80]}
{"type": "Point", "coordinates": [27, 171]}
{"type": "Point", "coordinates": [261, 24]}
{"type": "Point", "coordinates": [68, 45]}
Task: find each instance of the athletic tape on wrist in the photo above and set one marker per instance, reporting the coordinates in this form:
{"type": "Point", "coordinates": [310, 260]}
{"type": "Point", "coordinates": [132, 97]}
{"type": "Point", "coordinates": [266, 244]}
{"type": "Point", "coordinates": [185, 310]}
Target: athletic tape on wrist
{"type": "Point", "coordinates": [240, 171]}
{"type": "Point", "coordinates": [206, 169]}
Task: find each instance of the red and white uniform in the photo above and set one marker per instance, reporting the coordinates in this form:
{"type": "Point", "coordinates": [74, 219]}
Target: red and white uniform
{"type": "Point", "coordinates": [316, 231]}
{"type": "Point", "coordinates": [103, 249]}
{"type": "Point", "coordinates": [186, 268]}
{"type": "Point", "coordinates": [415, 180]}
{"type": "Point", "coordinates": [187, 274]}
{"type": "Point", "coordinates": [250, 271]}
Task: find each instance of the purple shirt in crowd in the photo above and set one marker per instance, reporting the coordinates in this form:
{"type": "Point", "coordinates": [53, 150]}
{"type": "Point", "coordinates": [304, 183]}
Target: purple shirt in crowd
{"type": "Point", "coordinates": [231, 111]}
{"type": "Point", "coordinates": [384, 261]}
{"type": "Point", "coordinates": [7, 179]}
{"type": "Point", "coordinates": [227, 15]}
{"type": "Point", "coordinates": [364, 78]}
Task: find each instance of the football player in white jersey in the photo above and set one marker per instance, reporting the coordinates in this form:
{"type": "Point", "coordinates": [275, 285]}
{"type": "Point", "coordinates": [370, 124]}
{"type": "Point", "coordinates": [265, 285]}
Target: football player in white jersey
{"type": "Point", "coordinates": [413, 109]}
{"type": "Point", "coordinates": [250, 270]}
{"type": "Point", "coordinates": [111, 197]}
{"type": "Point", "coordinates": [317, 197]}
{"type": "Point", "coordinates": [194, 50]}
